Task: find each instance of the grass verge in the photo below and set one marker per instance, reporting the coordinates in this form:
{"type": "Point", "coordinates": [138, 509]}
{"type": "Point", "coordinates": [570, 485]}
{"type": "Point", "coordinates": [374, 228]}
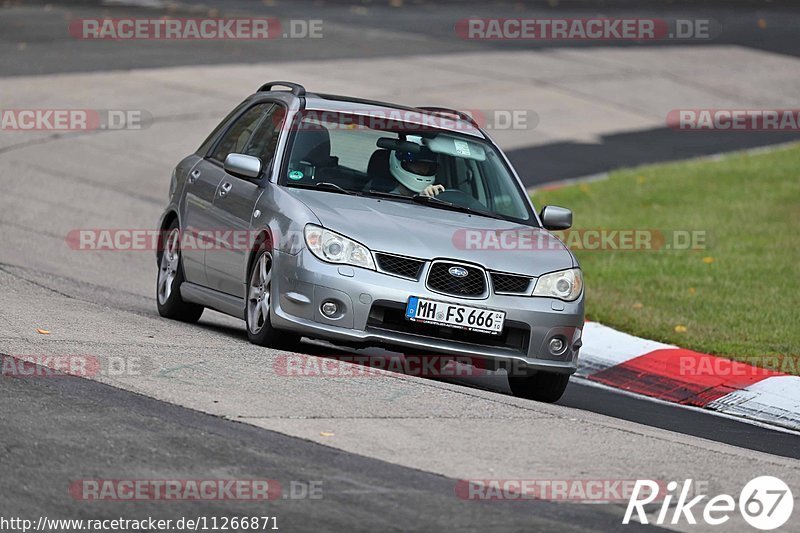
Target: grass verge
{"type": "Point", "coordinates": [738, 296]}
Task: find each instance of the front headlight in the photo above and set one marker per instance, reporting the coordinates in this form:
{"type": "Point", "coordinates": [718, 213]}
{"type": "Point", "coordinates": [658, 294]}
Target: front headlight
{"type": "Point", "coordinates": [564, 285]}
{"type": "Point", "coordinates": [334, 248]}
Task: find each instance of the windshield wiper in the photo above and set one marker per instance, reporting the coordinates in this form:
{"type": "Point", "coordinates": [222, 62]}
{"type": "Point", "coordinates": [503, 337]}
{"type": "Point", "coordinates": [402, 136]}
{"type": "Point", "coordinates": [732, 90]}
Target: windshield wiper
{"type": "Point", "coordinates": [325, 185]}
{"type": "Point", "coordinates": [383, 194]}
{"type": "Point", "coordinates": [433, 201]}
{"type": "Point", "coordinates": [333, 187]}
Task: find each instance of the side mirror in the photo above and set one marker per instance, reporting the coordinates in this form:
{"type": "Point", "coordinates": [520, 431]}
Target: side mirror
{"type": "Point", "coordinates": [555, 218]}
{"type": "Point", "coordinates": [242, 166]}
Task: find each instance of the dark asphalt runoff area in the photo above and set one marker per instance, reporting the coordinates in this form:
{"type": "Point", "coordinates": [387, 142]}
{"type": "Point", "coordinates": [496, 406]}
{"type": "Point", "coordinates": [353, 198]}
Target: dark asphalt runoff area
{"type": "Point", "coordinates": [63, 429]}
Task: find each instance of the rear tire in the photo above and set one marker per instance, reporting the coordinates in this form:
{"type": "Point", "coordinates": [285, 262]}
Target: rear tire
{"type": "Point", "coordinates": [542, 386]}
{"type": "Point", "coordinates": [168, 283]}
{"type": "Point", "coordinates": [257, 310]}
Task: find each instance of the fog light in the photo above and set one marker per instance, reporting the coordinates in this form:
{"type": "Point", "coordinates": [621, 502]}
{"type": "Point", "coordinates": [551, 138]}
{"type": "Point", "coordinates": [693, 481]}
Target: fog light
{"type": "Point", "coordinates": [329, 309]}
{"type": "Point", "coordinates": [557, 345]}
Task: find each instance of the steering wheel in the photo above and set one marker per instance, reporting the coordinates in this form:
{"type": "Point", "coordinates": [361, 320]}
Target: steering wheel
{"type": "Point", "coordinates": [457, 197]}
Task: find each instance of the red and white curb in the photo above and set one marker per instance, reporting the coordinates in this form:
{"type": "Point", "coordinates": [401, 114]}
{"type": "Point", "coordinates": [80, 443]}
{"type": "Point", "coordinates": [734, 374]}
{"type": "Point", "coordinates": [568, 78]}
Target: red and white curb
{"type": "Point", "coordinates": [668, 373]}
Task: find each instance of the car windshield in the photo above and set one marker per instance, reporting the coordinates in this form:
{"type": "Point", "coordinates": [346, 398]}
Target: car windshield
{"type": "Point", "coordinates": [403, 161]}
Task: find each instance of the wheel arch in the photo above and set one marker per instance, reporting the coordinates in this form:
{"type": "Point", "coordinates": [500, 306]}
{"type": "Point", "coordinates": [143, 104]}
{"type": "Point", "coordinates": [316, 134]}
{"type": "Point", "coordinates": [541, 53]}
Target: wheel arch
{"type": "Point", "coordinates": [263, 238]}
{"type": "Point", "coordinates": [167, 219]}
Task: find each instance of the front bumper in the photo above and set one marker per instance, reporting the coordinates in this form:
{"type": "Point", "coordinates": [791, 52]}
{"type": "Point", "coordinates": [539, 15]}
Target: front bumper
{"type": "Point", "coordinates": [372, 304]}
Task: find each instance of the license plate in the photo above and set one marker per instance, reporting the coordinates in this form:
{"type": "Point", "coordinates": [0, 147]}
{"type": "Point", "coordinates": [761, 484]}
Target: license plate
{"type": "Point", "coordinates": [455, 315]}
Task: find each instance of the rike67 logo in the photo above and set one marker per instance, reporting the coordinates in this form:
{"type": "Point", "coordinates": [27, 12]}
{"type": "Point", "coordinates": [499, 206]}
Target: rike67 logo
{"type": "Point", "coordinates": [765, 503]}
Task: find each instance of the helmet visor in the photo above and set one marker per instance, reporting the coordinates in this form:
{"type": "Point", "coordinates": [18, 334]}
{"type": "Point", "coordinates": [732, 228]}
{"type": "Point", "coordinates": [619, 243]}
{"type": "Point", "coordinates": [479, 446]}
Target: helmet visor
{"type": "Point", "coordinates": [419, 164]}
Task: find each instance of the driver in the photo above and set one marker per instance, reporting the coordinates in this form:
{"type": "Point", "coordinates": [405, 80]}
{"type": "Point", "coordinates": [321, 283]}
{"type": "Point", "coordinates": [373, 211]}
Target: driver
{"type": "Point", "coordinates": [415, 172]}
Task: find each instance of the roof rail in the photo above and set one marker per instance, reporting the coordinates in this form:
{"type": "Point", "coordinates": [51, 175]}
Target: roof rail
{"type": "Point", "coordinates": [340, 98]}
{"type": "Point", "coordinates": [296, 88]}
{"type": "Point", "coordinates": [451, 112]}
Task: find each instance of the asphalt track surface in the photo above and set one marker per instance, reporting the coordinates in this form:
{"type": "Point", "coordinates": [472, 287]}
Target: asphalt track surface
{"type": "Point", "coordinates": [57, 430]}
{"type": "Point", "coordinates": [36, 38]}
{"type": "Point", "coordinates": [65, 423]}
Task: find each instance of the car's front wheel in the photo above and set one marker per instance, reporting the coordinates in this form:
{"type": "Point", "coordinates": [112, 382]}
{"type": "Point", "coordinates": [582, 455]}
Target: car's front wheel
{"type": "Point", "coordinates": [170, 276]}
{"type": "Point", "coordinates": [259, 289]}
{"type": "Point", "coordinates": [542, 386]}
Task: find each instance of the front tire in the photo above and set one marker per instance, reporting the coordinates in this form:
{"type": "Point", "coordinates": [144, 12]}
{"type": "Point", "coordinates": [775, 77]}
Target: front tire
{"type": "Point", "coordinates": [542, 386]}
{"type": "Point", "coordinates": [259, 290]}
{"type": "Point", "coordinates": [170, 276]}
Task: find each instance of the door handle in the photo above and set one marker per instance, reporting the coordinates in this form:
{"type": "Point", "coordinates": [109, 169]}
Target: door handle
{"type": "Point", "coordinates": [225, 189]}
{"type": "Point", "coordinates": [193, 175]}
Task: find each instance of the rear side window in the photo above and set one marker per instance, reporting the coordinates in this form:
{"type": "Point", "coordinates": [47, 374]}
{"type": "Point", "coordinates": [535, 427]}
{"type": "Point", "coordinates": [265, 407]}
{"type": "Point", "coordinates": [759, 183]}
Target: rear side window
{"type": "Point", "coordinates": [236, 138]}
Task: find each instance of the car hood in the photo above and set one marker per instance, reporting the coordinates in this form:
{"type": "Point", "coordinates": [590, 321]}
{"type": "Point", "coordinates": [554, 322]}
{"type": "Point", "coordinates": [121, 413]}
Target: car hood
{"type": "Point", "coordinates": [425, 232]}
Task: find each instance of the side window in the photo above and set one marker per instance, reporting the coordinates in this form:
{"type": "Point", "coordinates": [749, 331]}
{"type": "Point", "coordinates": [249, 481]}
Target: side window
{"type": "Point", "coordinates": [235, 139]}
{"type": "Point", "coordinates": [264, 142]}
{"type": "Point", "coordinates": [206, 146]}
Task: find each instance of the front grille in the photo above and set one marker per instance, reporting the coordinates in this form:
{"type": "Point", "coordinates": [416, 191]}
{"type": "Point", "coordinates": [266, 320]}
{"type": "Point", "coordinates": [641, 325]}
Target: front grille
{"type": "Point", "coordinates": [441, 280]}
{"type": "Point", "coordinates": [510, 283]}
{"type": "Point", "coordinates": [405, 267]}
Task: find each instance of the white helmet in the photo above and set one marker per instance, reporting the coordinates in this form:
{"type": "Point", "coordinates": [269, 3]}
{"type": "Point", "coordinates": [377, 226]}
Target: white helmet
{"type": "Point", "coordinates": [414, 170]}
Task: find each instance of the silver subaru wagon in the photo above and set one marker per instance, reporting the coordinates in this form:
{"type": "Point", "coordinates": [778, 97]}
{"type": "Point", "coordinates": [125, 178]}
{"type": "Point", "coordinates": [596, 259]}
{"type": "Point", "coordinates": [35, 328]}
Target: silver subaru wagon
{"type": "Point", "coordinates": [371, 224]}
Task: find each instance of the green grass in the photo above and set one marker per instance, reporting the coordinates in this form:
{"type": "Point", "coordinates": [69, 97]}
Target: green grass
{"type": "Point", "coordinates": [739, 297]}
